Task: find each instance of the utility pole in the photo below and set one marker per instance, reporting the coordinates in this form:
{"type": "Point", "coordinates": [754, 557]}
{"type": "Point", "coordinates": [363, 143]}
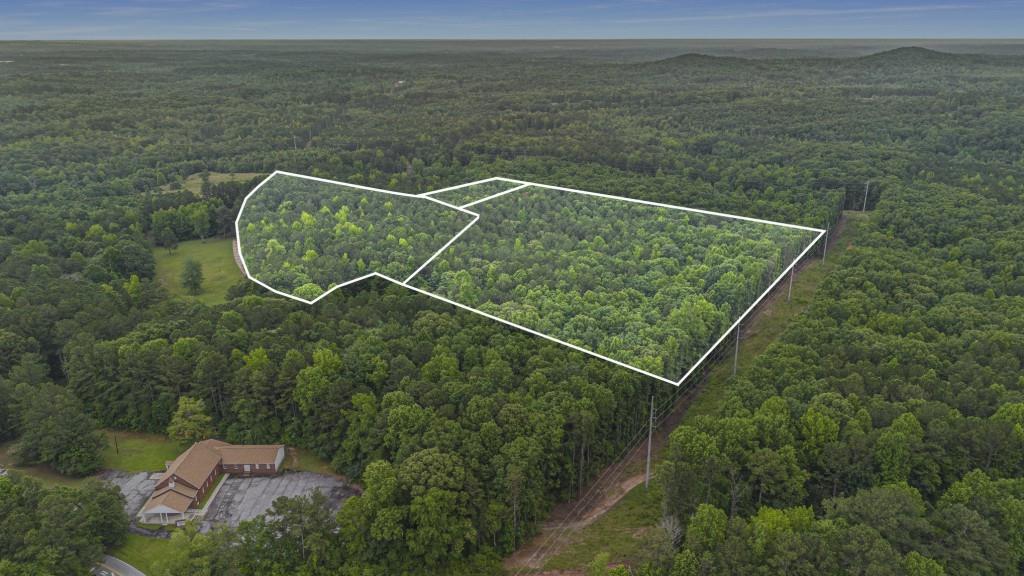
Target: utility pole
{"type": "Point", "coordinates": [824, 248]}
{"type": "Point", "coordinates": [736, 355]}
{"type": "Point", "coordinates": [791, 271]}
{"type": "Point", "coordinates": [866, 185]}
{"type": "Point", "coordinates": [650, 436]}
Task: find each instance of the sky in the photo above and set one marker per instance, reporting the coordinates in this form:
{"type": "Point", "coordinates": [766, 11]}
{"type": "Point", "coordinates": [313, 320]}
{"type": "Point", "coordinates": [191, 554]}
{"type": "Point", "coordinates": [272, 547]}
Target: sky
{"type": "Point", "coordinates": [484, 19]}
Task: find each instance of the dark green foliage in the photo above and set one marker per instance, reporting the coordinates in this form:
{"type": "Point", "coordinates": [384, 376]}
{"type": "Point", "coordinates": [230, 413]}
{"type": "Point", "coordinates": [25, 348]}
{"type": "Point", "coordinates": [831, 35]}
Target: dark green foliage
{"type": "Point", "coordinates": [192, 276]}
{"type": "Point", "coordinates": [482, 426]}
{"type": "Point", "coordinates": [898, 395]}
{"type": "Point", "coordinates": [906, 369]}
{"type": "Point", "coordinates": [57, 530]}
{"type": "Point", "coordinates": [55, 431]}
{"type": "Point", "coordinates": [474, 192]}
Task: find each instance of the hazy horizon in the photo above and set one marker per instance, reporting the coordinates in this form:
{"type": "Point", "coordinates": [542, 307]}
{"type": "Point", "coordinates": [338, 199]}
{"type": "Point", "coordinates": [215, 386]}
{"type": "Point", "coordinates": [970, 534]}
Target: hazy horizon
{"type": "Point", "coordinates": [493, 19]}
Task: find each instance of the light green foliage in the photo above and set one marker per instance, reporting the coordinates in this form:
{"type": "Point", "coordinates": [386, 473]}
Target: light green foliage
{"type": "Point", "coordinates": [190, 422]}
{"type": "Point", "coordinates": [918, 565]}
{"type": "Point", "coordinates": [473, 192]}
{"type": "Point", "coordinates": [303, 236]}
{"type": "Point", "coordinates": [706, 529]}
{"type": "Point", "coordinates": [652, 287]}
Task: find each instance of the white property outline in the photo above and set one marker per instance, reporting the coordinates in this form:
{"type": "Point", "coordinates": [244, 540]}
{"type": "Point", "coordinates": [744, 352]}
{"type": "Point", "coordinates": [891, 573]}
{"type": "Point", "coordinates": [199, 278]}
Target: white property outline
{"type": "Point", "coordinates": [520, 184]}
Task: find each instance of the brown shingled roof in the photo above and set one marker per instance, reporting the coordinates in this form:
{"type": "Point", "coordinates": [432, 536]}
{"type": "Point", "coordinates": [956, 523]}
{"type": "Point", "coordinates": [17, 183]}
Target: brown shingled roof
{"type": "Point", "coordinates": [195, 464]}
{"type": "Point", "coordinates": [252, 454]}
{"type": "Point", "coordinates": [171, 499]}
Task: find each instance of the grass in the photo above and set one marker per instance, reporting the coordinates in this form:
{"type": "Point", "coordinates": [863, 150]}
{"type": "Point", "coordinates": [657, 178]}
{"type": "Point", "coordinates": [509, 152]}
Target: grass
{"type": "Point", "coordinates": [306, 461]}
{"type": "Point", "coordinates": [135, 452]}
{"type": "Point", "coordinates": [219, 269]}
{"type": "Point", "coordinates": [138, 452]}
{"type": "Point", "coordinates": [194, 183]}
{"type": "Point", "coordinates": [640, 511]}
{"type": "Point", "coordinates": [621, 532]}
{"type": "Point", "coordinates": [142, 552]}
{"type": "Point", "coordinates": [48, 476]}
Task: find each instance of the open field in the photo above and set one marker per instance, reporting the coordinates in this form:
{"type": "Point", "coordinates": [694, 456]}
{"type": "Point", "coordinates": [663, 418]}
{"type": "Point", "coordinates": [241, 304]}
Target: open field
{"type": "Point", "coordinates": [304, 460]}
{"type": "Point", "coordinates": [620, 530]}
{"type": "Point", "coordinates": [219, 269]}
{"type": "Point", "coordinates": [142, 552]}
{"type": "Point", "coordinates": [138, 451]}
{"type": "Point", "coordinates": [194, 183]}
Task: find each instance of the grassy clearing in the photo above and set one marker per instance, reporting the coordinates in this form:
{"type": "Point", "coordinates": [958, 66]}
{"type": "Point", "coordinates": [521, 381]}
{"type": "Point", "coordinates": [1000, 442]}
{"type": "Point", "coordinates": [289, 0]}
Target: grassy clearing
{"type": "Point", "coordinates": [621, 532]}
{"type": "Point", "coordinates": [142, 552]}
{"type": "Point", "coordinates": [306, 461]}
{"type": "Point", "coordinates": [134, 452]}
{"type": "Point", "coordinates": [138, 452]}
{"type": "Point", "coordinates": [219, 269]}
{"type": "Point", "coordinates": [194, 183]}
{"type": "Point", "coordinates": [639, 510]}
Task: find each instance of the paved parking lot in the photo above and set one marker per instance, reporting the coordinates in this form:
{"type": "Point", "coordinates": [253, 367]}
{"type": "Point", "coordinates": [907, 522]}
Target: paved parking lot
{"type": "Point", "coordinates": [245, 498]}
{"type": "Point", "coordinates": [135, 487]}
{"type": "Point", "coordinates": [239, 498]}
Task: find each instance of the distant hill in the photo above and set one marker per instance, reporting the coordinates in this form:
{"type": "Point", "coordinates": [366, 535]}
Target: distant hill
{"type": "Point", "coordinates": [916, 54]}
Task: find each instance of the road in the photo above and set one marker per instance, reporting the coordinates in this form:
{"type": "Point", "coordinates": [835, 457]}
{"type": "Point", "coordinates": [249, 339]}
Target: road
{"type": "Point", "coordinates": [568, 518]}
{"type": "Point", "coordinates": [111, 566]}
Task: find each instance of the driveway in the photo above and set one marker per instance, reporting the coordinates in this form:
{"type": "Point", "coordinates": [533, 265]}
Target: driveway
{"type": "Point", "coordinates": [111, 566]}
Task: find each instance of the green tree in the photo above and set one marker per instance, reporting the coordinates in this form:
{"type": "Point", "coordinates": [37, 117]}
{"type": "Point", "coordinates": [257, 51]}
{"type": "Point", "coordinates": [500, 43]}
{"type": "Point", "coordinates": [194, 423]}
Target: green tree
{"type": "Point", "coordinates": [56, 431]}
{"type": "Point", "coordinates": [192, 276]}
{"type": "Point", "coordinates": [166, 237]}
{"type": "Point", "coordinates": [188, 552]}
{"type": "Point", "coordinates": [190, 422]}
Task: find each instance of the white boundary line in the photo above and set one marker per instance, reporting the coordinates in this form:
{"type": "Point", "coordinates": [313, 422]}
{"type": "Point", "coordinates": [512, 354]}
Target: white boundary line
{"type": "Point", "coordinates": [670, 206]}
{"type": "Point", "coordinates": [467, 184]}
{"type": "Point", "coordinates": [751, 307]}
{"type": "Point", "coordinates": [493, 196]}
{"type": "Point", "coordinates": [523, 184]}
{"type": "Point", "coordinates": [527, 330]}
{"type": "Point", "coordinates": [442, 249]}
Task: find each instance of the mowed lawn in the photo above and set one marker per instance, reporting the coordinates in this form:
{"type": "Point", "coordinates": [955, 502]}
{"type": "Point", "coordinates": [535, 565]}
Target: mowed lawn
{"type": "Point", "coordinates": [125, 451]}
{"type": "Point", "coordinates": [194, 183]}
{"type": "Point", "coordinates": [138, 451]}
{"type": "Point", "coordinates": [219, 269]}
{"type": "Point", "coordinates": [142, 552]}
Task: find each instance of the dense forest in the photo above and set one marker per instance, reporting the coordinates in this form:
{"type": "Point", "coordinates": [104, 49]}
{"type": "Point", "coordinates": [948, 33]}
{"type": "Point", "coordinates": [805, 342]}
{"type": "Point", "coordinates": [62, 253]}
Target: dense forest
{"type": "Point", "coordinates": [470, 193]}
{"type": "Point", "coordinates": [880, 435]}
{"type": "Point", "coordinates": [304, 236]}
{"type": "Point", "coordinates": [649, 286]}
